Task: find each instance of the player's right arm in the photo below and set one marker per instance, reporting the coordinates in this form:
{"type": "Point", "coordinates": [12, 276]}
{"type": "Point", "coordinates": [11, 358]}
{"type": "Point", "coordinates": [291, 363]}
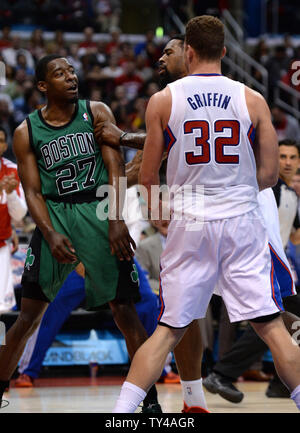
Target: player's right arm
{"type": "Point", "coordinates": [265, 147]}
{"type": "Point", "coordinates": [30, 179]}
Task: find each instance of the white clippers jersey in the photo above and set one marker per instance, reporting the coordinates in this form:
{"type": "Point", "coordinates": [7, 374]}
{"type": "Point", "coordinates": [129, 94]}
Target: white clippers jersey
{"type": "Point", "coordinates": [209, 141]}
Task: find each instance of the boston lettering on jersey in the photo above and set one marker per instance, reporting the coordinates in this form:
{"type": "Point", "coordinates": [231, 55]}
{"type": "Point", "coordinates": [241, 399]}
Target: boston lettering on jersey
{"type": "Point", "coordinates": [68, 146]}
{"type": "Point", "coordinates": [209, 100]}
{"type": "Point", "coordinates": [68, 157]}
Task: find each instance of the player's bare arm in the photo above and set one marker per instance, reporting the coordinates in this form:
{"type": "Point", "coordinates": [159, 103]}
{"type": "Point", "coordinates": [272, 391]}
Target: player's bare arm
{"type": "Point", "coordinates": [109, 133]}
{"type": "Point", "coordinates": [120, 241]}
{"type": "Point", "coordinates": [266, 142]}
{"type": "Point", "coordinates": [157, 116]}
{"type": "Point", "coordinates": [60, 246]}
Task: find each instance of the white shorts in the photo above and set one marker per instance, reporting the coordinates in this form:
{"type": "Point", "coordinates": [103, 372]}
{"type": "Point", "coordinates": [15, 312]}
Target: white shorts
{"type": "Point", "coordinates": [7, 296]}
{"type": "Point", "coordinates": [232, 254]}
{"type": "Point", "coordinates": [269, 210]}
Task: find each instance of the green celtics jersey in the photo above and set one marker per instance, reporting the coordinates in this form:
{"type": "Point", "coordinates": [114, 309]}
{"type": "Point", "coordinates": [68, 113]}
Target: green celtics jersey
{"type": "Point", "coordinates": [68, 157]}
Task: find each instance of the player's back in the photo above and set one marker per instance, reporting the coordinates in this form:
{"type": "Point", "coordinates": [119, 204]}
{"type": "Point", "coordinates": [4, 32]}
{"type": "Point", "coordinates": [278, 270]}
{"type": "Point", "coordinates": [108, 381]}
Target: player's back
{"type": "Point", "coordinates": [210, 137]}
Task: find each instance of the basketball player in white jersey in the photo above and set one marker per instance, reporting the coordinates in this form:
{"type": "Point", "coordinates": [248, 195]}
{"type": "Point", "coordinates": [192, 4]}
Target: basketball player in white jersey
{"type": "Point", "coordinates": [209, 118]}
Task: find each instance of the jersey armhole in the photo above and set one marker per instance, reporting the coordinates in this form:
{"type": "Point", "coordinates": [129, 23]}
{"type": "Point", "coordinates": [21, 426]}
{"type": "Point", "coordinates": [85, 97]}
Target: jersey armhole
{"type": "Point", "coordinates": [30, 133]}
{"type": "Point", "coordinates": [88, 106]}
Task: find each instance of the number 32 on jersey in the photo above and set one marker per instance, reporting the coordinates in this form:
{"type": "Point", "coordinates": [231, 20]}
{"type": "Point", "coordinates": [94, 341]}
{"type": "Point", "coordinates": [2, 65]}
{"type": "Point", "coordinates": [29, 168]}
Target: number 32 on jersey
{"type": "Point", "coordinates": [220, 142]}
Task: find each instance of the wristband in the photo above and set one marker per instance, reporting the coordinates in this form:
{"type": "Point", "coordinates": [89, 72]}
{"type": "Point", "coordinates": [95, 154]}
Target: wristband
{"type": "Point", "coordinates": [122, 136]}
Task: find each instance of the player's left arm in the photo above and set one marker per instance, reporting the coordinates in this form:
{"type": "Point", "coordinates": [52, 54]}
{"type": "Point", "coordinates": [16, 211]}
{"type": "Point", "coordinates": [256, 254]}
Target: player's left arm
{"type": "Point", "coordinates": [157, 115]}
{"type": "Point", "coordinates": [120, 241]}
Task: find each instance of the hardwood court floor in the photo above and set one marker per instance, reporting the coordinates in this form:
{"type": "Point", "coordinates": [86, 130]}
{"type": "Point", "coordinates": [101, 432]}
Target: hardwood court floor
{"type": "Point", "coordinates": [82, 395]}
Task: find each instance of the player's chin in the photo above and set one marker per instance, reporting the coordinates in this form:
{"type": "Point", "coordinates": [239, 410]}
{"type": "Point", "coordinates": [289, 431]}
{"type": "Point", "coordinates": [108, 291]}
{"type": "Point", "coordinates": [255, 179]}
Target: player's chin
{"type": "Point", "coordinates": [73, 98]}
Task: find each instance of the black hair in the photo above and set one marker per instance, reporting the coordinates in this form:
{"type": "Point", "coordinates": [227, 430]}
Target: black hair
{"type": "Point", "coordinates": [42, 65]}
{"type": "Point", "coordinates": [287, 142]}
{"type": "Point", "coordinates": [179, 37]}
{"type": "Point", "coordinates": [4, 131]}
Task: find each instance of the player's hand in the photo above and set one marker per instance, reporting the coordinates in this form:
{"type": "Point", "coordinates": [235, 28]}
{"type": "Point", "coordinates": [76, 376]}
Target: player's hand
{"type": "Point", "coordinates": [121, 243]}
{"type": "Point", "coordinates": [15, 242]}
{"type": "Point", "coordinates": [61, 248]}
{"type": "Point", "coordinates": [9, 183]}
{"type": "Point", "coordinates": [108, 133]}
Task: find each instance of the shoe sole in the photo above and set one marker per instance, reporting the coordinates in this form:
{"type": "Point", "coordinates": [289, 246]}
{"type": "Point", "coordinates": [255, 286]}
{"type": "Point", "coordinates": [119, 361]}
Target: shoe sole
{"type": "Point", "coordinates": [231, 398]}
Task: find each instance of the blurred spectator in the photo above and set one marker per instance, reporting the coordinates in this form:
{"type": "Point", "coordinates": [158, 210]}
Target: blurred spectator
{"type": "Point", "coordinates": [142, 69]}
{"type": "Point", "coordinates": [126, 54]}
{"type": "Point", "coordinates": [108, 13]}
{"type": "Point", "coordinates": [12, 207]}
{"type": "Point", "coordinates": [95, 94]}
{"type": "Point", "coordinates": [151, 88]}
{"type": "Point", "coordinates": [286, 126]}
{"type": "Point", "coordinates": [88, 44]}
{"type": "Point", "coordinates": [7, 123]}
{"type": "Point", "coordinates": [118, 106]}
{"type": "Point", "coordinates": [21, 63]}
{"type": "Point", "coordinates": [130, 80]}
{"type": "Point", "coordinates": [261, 52]}
{"type": "Point", "coordinates": [59, 39]}
{"type": "Point", "coordinates": [286, 197]}
{"type": "Point", "coordinates": [137, 116]}
{"type": "Point", "coordinates": [277, 65]}
{"type": "Point", "coordinates": [74, 59]}
{"type": "Point", "coordinates": [114, 43]}
{"type": "Point", "coordinates": [112, 70]}
{"type": "Point", "coordinates": [101, 53]}
{"type": "Point", "coordinates": [10, 53]}
{"type": "Point", "coordinates": [140, 48]}
{"type": "Point", "coordinates": [11, 88]}
{"type": "Point", "coordinates": [289, 48]}
{"type": "Point", "coordinates": [149, 251]}
{"type": "Point", "coordinates": [25, 105]}
{"type": "Point", "coordinates": [37, 44]}
{"type": "Point", "coordinates": [5, 40]}
{"type": "Point", "coordinates": [153, 53]}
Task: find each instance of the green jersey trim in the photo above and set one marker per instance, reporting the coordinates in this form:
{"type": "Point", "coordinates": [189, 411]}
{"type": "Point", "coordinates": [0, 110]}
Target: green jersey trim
{"type": "Point", "coordinates": [62, 126]}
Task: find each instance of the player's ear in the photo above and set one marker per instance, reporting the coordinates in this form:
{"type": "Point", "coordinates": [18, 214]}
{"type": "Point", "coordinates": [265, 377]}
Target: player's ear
{"type": "Point", "coordinates": [223, 52]}
{"type": "Point", "coordinates": [42, 86]}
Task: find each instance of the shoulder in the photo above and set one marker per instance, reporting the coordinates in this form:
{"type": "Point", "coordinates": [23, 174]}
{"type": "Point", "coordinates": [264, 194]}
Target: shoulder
{"type": "Point", "coordinates": [159, 104]}
{"type": "Point", "coordinates": [253, 97]}
{"type": "Point", "coordinates": [257, 106]}
{"type": "Point", "coordinates": [22, 128]}
{"type": "Point", "coordinates": [100, 110]}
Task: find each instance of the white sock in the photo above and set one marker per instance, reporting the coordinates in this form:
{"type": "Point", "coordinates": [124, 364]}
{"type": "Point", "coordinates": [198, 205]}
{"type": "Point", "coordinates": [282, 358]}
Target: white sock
{"type": "Point", "coordinates": [296, 396]}
{"type": "Point", "coordinates": [193, 394]}
{"type": "Point", "coordinates": [129, 399]}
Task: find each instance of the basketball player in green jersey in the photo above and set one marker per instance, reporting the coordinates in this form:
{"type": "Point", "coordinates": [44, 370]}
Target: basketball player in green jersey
{"type": "Point", "coordinates": [61, 167]}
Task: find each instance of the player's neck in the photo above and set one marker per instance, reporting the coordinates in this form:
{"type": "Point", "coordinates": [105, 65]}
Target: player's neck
{"type": "Point", "coordinates": [287, 180]}
{"type": "Point", "coordinates": [58, 113]}
{"type": "Point", "coordinates": [205, 68]}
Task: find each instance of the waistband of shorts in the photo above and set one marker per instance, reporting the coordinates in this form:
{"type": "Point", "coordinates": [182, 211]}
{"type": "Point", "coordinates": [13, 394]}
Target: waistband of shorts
{"type": "Point", "coordinates": [77, 197]}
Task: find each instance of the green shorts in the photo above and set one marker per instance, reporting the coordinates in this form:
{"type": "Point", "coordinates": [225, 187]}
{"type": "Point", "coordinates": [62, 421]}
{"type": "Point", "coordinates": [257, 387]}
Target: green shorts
{"type": "Point", "coordinates": [89, 237]}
